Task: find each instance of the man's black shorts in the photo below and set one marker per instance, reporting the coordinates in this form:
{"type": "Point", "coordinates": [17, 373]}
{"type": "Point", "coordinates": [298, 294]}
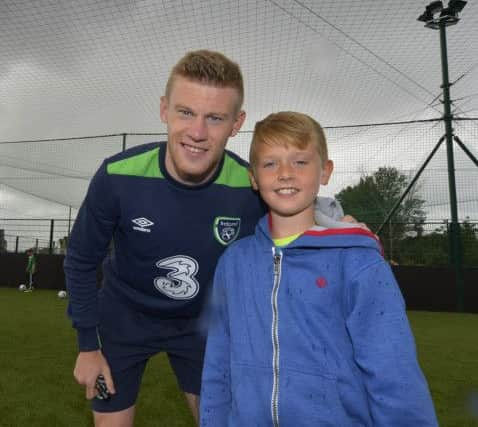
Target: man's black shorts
{"type": "Point", "coordinates": [129, 338]}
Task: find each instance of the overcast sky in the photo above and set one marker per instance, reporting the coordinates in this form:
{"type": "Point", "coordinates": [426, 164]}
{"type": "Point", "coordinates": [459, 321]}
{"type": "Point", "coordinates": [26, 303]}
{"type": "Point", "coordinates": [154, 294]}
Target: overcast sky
{"type": "Point", "coordinates": [81, 68]}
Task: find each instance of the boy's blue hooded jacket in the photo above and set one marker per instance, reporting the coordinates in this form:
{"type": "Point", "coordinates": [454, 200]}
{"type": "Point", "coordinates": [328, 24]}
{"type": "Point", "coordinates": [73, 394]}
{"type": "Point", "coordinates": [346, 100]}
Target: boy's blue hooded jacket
{"type": "Point", "coordinates": [312, 334]}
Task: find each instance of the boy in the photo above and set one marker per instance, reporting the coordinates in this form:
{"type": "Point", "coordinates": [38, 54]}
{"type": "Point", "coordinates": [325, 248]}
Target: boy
{"type": "Point", "coordinates": [308, 326]}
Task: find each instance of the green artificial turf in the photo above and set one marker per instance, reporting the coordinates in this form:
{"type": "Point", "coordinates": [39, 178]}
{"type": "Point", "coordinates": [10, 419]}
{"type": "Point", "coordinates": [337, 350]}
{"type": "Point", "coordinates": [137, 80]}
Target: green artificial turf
{"type": "Point", "coordinates": [38, 352]}
{"type": "Point", "coordinates": [447, 345]}
{"type": "Point", "coordinates": [37, 355]}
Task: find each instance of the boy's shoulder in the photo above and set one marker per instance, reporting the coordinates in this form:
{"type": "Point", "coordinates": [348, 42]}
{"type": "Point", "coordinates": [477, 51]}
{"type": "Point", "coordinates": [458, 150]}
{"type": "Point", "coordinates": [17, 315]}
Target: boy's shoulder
{"type": "Point", "coordinates": [353, 247]}
{"type": "Point", "coordinates": [243, 243]}
{"type": "Point", "coordinates": [360, 254]}
{"type": "Point", "coordinates": [361, 260]}
{"type": "Point", "coordinates": [239, 247]}
{"type": "Point", "coordinates": [341, 235]}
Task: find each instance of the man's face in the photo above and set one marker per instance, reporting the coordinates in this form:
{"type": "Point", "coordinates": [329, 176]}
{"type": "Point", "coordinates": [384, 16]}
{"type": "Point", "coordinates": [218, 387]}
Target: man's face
{"type": "Point", "coordinates": [200, 118]}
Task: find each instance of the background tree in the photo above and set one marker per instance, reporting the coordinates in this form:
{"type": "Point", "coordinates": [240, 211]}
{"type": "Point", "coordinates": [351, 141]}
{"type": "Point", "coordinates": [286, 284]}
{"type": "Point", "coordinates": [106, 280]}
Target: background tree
{"type": "Point", "coordinates": [469, 236]}
{"type": "Point", "coordinates": [433, 249]}
{"type": "Point", "coordinates": [374, 196]}
{"type": "Point", "coordinates": [430, 249]}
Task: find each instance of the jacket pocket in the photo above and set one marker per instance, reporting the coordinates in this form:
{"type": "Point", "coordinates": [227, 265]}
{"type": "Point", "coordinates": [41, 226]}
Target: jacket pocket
{"type": "Point", "coordinates": [309, 399]}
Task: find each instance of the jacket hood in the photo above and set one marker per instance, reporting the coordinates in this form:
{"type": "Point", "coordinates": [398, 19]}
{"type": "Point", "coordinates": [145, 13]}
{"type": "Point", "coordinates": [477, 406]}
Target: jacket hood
{"type": "Point", "coordinates": [335, 235]}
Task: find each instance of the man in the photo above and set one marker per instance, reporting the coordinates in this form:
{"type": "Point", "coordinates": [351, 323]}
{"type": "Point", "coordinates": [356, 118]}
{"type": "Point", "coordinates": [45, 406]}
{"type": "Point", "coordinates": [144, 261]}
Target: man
{"type": "Point", "coordinates": [171, 210]}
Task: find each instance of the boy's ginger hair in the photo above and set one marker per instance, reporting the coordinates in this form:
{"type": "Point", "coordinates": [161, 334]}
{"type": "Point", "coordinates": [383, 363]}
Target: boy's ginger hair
{"type": "Point", "coordinates": [210, 68]}
{"type": "Point", "coordinates": [288, 128]}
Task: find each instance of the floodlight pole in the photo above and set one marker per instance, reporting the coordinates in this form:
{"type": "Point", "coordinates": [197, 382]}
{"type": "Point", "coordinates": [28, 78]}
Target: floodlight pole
{"type": "Point", "coordinates": [455, 238]}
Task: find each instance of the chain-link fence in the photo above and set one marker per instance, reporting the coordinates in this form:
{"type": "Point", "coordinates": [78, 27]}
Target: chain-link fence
{"type": "Point", "coordinates": [427, 244]}
{"type": "Point", "coordinates": [45, 179]}
{"type": "Point", "coordinates": [424, 244]}
{"type": "Point", "coordinates": [49, 236]}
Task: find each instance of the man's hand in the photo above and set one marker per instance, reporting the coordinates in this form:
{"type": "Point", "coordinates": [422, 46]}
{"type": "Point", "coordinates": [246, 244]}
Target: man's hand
{"type": "Point", "coordinates": [90, 364]}
{"type": "Point", "coordinates": [352, 220]}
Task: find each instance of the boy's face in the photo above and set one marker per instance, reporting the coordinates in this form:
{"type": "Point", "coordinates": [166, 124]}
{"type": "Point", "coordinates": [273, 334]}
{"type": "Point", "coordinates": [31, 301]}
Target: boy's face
{"type": "Point", "coordinates": [200, 118]}
{"type": "Point", "coordinates": [288, 178]}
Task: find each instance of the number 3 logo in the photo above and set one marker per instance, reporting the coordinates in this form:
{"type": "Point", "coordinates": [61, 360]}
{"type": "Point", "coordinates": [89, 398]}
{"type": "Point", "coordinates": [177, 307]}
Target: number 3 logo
{"type": "Point", "coordinates": [180, 282]}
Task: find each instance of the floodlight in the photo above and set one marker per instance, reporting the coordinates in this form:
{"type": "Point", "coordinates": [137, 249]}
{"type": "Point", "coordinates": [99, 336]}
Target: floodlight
{"type": "Point", "coordinates": [447, 12]}
{"type": "Point", "coordinates": [449, 17]}
{"type": "Point", "coordinates": [434, 7]}
{"type": "Point", "coordinates": [456, 5]}
{"type": "Point", "coordinates": [436, 15]}
{"type": "Point", "coordinates": [425, 17]}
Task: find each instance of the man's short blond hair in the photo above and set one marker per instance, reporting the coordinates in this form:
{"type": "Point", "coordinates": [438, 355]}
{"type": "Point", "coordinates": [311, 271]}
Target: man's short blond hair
{"type": "Point", "coordinates": [288, 128]}
{"type": "Point", "coordinates": [210, 68]}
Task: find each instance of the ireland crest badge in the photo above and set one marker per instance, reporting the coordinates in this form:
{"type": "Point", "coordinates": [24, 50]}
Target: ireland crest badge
{"type": "Point", "coordinates": [226, 229]}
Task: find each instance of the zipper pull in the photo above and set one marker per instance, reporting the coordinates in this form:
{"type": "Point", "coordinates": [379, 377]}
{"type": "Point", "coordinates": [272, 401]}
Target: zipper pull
{"type": "Point", "coordinates": [277, 254]}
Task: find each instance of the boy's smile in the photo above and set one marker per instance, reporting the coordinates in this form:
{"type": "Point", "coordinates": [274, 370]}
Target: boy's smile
{"type": "Point", "coordinates": [285, 191]}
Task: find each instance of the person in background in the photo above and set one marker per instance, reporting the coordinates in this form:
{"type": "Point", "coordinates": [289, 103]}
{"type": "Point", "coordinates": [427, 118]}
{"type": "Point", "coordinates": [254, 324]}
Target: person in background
{"type": "Point", "coordinates": [30, 269]}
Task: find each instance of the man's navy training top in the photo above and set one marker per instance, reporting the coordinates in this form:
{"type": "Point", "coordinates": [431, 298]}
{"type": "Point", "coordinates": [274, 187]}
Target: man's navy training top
{"type": "Point", "coordinates": [167, 236]}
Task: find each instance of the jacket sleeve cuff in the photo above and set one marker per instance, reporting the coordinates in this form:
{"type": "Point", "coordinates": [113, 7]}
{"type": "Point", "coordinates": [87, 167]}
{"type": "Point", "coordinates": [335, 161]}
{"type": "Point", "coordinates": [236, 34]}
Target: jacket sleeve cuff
{"type": "Point", "coordinates": [88, 339]}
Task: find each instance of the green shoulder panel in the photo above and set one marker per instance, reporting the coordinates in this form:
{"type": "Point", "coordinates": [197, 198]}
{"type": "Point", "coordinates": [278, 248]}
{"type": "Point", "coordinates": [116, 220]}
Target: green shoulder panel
{"type": "Point", "coordinates": [233, 174]}
{"type": "Point", "coordinates": [144, 164]}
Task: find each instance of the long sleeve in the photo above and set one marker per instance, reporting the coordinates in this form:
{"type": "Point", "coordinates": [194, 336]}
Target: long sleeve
{"type": "Point", "coordinates": [384, 349]}
{"type": "Point", "coordinates": [88, 246]}
{"type": "Point", "coordinates": [216, 381]}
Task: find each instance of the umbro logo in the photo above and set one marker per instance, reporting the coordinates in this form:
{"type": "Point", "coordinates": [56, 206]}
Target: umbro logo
{"type": "Point", "coordinates": [142, 224]}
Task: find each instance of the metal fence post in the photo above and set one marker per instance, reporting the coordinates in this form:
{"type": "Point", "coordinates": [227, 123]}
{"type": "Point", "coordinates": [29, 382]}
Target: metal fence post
{"type": "Point", "coordinates": [52, 225]}
{"type": "Point", "coordinates": [69, 222]}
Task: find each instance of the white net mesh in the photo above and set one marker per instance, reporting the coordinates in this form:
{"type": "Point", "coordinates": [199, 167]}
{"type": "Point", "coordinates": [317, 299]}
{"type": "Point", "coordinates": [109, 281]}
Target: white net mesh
{"type": "Point", "coordinates": [98, 68]}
